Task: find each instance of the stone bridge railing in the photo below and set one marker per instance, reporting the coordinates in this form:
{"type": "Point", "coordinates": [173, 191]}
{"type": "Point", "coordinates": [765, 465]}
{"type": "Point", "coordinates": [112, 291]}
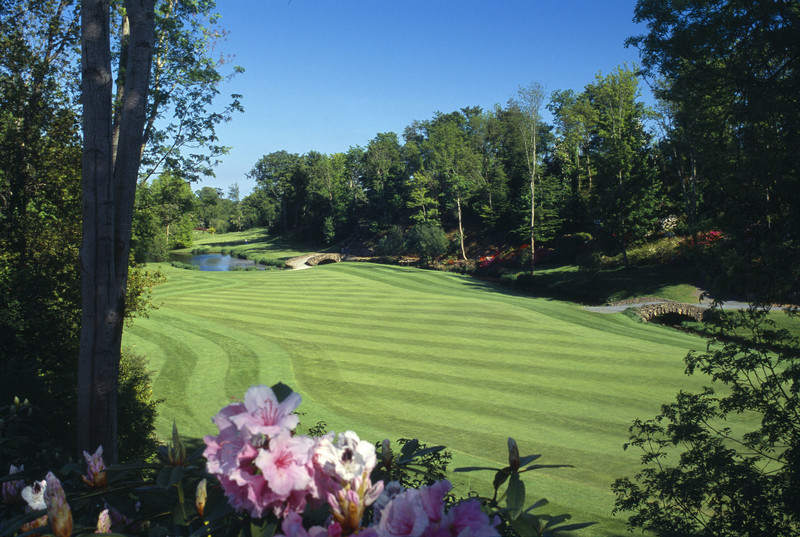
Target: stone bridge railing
{"type": "Point", "coordinates": [650, 311]}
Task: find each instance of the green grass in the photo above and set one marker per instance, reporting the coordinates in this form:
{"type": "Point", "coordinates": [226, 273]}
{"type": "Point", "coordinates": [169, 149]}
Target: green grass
{"type": "Point", "coordinates": [253, 243]}
{"type": "Point", "coordinates": [396, 352]}
{"type": "Point", "coordinates": [609, 285]}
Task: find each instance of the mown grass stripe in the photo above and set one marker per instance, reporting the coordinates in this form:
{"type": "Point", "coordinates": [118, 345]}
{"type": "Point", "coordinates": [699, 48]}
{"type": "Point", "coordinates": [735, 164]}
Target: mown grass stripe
{"type": "Point", "coordinates": [393, 352]}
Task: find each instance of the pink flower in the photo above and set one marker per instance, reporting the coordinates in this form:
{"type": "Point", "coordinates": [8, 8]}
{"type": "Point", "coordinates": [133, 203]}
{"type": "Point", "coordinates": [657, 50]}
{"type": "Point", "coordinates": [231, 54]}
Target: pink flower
{"type": "Point", "coordinates": [264, 415]}
{"type": "Point", "coordinates": [404, 516]}
{"type": "Point", "coordinates": [432, 498]}
{"type": "Point", "coordinates": [467, 519]}
{"type": "Point", "coordinates": [420, 513]}
{"type": "Point", "coordinates": [286, 463]}
{"type": "Point", "coordinates": [292, 526]}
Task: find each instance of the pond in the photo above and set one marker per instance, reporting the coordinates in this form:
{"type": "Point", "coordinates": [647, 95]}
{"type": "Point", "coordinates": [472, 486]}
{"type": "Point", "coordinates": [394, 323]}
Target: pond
{"type": "Point", "coordinates": [213, 262]}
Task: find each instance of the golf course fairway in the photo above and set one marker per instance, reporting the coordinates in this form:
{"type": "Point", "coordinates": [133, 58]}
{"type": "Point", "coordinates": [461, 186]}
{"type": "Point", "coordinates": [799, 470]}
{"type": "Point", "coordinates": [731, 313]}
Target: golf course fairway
{"type": "Point", "coordinates": [393, 352]}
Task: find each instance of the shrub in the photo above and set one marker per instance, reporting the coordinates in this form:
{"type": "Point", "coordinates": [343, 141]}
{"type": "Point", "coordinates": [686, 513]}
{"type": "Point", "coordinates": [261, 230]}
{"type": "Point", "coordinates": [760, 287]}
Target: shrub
{"type": "Point", "coordinates": [136, 408]}
{"type": "Point", "coordinates": [427, 241]}
{"type": "Point", "coordinates": [568, 248]}
{"type": "Point", "coordinates": [186, 266]}
{"type": "Point", "coordinates": [702, 477]}
{"type": "Point", "coordinates": [392, 243]}
{"type": "Point", "coordinates": [270, 262]}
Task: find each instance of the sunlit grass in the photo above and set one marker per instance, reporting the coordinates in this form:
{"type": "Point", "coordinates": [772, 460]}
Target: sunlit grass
{"type": "Point", "coordinates": [395, 352]}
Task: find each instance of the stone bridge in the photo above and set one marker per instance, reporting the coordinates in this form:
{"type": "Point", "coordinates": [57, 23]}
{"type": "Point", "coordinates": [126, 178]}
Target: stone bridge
{"type": "Point", "coordinates": [321, 259]}
{"type": "Point", "coordinates": [650, 311]}
{"type": "Point", "coordinates": [309, 260]}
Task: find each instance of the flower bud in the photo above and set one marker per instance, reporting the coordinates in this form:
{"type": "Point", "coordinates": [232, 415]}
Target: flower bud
{"type": "Point", "coordinates": [200, 497]}
{"type": "Point", "coordinates": [58, 511]}
{"type": "Point", "coordinates": [513, 455]}
{"type": "Point", "coordinates": [95, 469]}
{"type": "Point", "coordinates": [12, 490]}
{"type": "Point", "coordinates": [104, 522]}
{"type": "Point", "coordinates": [386, 455]}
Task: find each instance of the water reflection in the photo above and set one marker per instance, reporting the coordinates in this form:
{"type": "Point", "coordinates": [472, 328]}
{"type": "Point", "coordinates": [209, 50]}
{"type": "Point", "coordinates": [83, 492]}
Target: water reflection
{"type": "Point", "coordinates": [213, 262]}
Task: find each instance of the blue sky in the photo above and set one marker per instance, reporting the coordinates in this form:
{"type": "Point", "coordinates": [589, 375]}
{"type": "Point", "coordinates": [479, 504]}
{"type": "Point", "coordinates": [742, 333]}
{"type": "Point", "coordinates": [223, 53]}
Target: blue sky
{"type": "Point", "coordinates": [325, 75]}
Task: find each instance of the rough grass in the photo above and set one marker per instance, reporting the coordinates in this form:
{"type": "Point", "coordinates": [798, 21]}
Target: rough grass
{"type": "Point", "coordinates": [395, 352]}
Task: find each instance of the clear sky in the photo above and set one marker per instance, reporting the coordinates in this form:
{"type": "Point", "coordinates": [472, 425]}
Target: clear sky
{"type": "Point", "coordinates": [325, 75]}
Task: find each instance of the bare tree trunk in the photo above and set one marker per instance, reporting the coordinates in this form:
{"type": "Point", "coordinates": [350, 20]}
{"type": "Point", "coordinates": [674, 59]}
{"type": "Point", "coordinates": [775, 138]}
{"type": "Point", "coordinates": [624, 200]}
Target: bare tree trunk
{"type": "Point", "coordinates": [109, 185]}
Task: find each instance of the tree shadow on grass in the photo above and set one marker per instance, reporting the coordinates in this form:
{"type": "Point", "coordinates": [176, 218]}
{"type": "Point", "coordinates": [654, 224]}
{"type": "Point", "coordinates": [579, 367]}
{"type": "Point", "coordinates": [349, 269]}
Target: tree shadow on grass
{"type": "Point", "coordinates": [590, 287]}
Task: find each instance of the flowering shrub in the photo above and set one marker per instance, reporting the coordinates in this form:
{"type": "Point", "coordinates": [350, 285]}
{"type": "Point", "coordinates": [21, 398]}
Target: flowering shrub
{"type": "Point", "coordinates": [259, 477]}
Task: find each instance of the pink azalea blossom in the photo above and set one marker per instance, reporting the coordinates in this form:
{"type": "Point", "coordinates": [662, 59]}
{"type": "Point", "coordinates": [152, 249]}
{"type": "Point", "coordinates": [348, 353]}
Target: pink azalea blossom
{"type": "Point", "coordinates": [420, 513]}
{"type": "Point", "coordinates": [404, 516]}
{"type": "Point", "coordinates": [286, 463]}
{"type": "Point", "coordinates": [264, 415]}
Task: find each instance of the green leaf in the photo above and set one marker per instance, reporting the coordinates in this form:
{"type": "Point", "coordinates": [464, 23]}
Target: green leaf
{"type": "Point", "coordinates": [169, 475]}
{"type": "Point", "coordinates": [558, 519]}
{"type": "Point", "coordinates": [500, 477]}
{"type": "Point", "coordinates": [282, 391]}
{"type": "Point", "coordinates": [524, 526]}
{"type": "Point", "coordinates": [515, 496]}
{"type": "Point", "coordinates": [265, 530]}
{"type": "Point", "coordinates": [538, 504]}
{"type": "Point", "coordinates": [528, 459]}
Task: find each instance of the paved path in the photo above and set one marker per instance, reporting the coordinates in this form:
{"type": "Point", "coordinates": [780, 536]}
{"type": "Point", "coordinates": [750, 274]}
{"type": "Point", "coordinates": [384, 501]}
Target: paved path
{"type": "Point", "coordinates": [617, 308]}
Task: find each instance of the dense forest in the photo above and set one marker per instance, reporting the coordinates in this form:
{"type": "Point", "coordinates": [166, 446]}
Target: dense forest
{"type": "Point", "coordinates": [501, 176]}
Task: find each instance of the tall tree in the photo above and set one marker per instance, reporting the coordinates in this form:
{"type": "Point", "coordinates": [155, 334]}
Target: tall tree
{"type": "Point", "coordinates": [451, 156]}
{"type": "Point", "coordinates": [731, 73]}
{"type": "Point", "coordinates": [627, 193]}
{"type": "Point", "coordinates": [109, 176]}
{"type": "Point", "coordinates": [273, 173]}
{"type": "Point", "coordinates": [530, 101]}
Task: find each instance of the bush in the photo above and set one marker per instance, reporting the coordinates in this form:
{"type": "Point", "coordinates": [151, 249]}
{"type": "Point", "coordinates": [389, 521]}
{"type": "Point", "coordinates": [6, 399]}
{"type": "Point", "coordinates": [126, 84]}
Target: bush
{"type": "Point", "coordinates": [185, 266]}
{"type": "Point", "coordinates": [568, 248]}
{"type": "Point", "coordinates": [392, 243]}
{"type": "Point", "coordinates": [136, 408]}
{"type": "Point", "coordinates": [270, 262]}
{"type": "Point", "coordinates": [427, 241]}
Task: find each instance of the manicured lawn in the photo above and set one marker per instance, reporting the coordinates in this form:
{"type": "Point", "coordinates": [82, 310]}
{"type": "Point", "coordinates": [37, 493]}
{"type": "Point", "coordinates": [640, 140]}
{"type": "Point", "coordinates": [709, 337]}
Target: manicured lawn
{"type": "Point", "coordinates": [395, 352]}
{"type": "Point", "coordinates": [255, 242]}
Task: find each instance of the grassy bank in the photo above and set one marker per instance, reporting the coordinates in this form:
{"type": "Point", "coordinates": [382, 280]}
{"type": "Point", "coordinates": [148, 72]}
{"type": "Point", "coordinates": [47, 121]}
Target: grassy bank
{"type": "Point", "coordinates": [398, 352]}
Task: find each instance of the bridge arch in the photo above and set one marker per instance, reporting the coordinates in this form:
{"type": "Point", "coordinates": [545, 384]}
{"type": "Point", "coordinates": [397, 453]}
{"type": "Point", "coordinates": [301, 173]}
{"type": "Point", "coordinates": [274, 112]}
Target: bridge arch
{"type": "Point", "coordinates": [676, 310]}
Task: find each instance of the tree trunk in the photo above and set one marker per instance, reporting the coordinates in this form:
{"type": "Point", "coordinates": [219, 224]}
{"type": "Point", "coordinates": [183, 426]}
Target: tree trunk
{"type": "Point", "coordinates": [109, 185]}
{"type": "Point", "coordinates": [461, 228]}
